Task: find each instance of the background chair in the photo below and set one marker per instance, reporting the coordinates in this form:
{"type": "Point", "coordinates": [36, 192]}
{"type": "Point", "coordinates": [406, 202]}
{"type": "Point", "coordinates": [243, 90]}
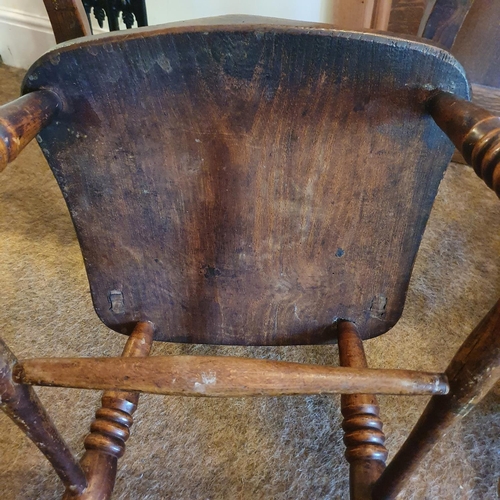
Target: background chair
{"type": "Point", "coordinates": [42, 105]}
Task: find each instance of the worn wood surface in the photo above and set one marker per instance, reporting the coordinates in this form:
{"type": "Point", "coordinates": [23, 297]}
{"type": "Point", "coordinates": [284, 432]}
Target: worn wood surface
{"type": "Point", "coordinates": [211, 178]}
{"type": "Point", "coordinates": [406, 16]}
{"type": "Point", "coordinates": [222, 376]}
{"type": "Point", "coordinates": [68, 19]}
{"type": "Point", "coordinates": [472, 373]}
{"type": "Point", "coordinates": [22, 119]}
{"type": "Point", "coordinates": [474, 131]}
{"type": "Point", "coordinates": [111, 428]}
{"type": "Point", "coordinates": [476, 45]}
{"type": "Point", "coordinates": [363, 435]}
{"type": "Point", "coordinates": [443, 19]}
{"type": "Point", "coordinates": [22, 405]}
{"type": "Point", "coordinates": [486, 97]}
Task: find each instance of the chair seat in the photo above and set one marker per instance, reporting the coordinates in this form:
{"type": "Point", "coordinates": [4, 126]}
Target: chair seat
{"type": "Point", "coordinates": [213, 175]}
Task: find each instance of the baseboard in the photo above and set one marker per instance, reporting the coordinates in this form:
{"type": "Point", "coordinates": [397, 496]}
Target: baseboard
{"type": "Point", "coordinates": [24, 37]}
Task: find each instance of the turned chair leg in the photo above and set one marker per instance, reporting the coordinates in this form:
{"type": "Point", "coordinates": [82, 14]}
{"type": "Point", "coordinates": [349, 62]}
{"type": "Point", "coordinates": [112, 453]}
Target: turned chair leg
{"type": "Point", "coordinates": [363, 436]}
{"type": "Point", "coordinates": [22, 405]}
{"type": "Point", "coordinates": [472, 373]}
{"type": "Point", "coordinates": [111, 428]}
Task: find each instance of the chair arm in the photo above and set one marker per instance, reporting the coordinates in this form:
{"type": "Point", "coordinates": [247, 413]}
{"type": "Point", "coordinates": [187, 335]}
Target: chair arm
{"type": "Point", "coordinates": [22, 119]}
{"type": "Point", "coordinates": [475, 133]}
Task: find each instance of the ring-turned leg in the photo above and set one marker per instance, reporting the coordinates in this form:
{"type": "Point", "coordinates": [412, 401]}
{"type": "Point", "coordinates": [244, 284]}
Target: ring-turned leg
{"type": "Point", "coordinates": [472, 373]}
{"type": "Point", "coordinates": [22, 405]}
{"type": "Point", "coordinates": [111, 428]}
{"type": "Point", "coordinates": [363, 436]}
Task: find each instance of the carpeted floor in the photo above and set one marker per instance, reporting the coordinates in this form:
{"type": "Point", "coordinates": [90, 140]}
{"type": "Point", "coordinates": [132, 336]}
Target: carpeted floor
{"type": "Point", "coordinates": [274, 448]}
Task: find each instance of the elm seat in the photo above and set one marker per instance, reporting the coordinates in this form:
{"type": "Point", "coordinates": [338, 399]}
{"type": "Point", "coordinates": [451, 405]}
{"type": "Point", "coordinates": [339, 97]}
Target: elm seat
{"type": "Point", "coordinates": [248, 182]}
{"type": "Point", "coordinates": [211, 175]}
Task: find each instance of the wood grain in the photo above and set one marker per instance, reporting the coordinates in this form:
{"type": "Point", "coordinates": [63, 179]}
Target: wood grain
{"type": "Point", "coordinates": [222, 376]}
{"type": "Point", "coordinates": [474, 131]}
{"type": "Point", "coordinates": [211, 178]}
{"type": "Point", "coordinates": [111, 428]}
{"type": "Point", "coordinates": [68, 18]}
{"type": "Point", "coordinates": [21, 120]}
{"type": "Point", "coordinates": [472, 373]}
{"type": "Point", "coordinates": [443, 19]}
{"type": "Point", "coordinates": [363, 435]}
{"type": "Point", "coordinates": [406, 16]}
{"type": "Point", "coordinates": [22, 405]}
{"type": "Point", "coordinates": [486, 97]}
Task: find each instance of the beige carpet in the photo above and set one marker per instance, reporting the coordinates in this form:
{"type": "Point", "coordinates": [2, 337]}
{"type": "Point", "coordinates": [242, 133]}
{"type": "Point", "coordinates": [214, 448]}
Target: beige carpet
{"type": "Point", "coordinates": [275, 448]}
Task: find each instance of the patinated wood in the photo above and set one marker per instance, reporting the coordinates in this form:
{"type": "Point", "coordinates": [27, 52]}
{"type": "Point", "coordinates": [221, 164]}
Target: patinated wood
{"type": "Point", "coordinates": [487, 98]}
{"type": "Point", "coordinates": [472, 373]}
{"type": "Point", "coordinates": [211, 178]}
{"type": "Point", "coordinates": [364, 438]}
{"type": "Point", "coordinates": [22, 119]}
{"type": "Point", "coordinates": [106, 442]}
{"type": "Point", "coordinates": [68, 18]}
{"type": "Point", "coordinates": [406, 16]}
{"type": "Point", "coordinates": [22, 405]}
{"type": "Point", "coordinates": [443, 19]}
{"type": "Point", "coordinates": [474, 131]}
{"type": "Point", "coordinates": [222, 376]}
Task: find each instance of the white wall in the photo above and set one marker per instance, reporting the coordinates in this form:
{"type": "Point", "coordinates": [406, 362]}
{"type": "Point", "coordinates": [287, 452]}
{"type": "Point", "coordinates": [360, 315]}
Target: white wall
{"type": "Point", "coordinates": [165, 11]}
{"type": "Point", "coordinates": [25, 31]}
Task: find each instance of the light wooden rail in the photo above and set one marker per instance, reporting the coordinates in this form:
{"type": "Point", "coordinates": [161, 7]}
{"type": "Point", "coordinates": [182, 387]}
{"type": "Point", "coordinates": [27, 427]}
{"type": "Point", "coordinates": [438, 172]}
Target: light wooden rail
{"type": "Point", "coordinates": [222, 376]}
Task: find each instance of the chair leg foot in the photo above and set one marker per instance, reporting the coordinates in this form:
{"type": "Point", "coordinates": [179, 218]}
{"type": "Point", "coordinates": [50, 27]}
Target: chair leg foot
{"type": "Point", "coordinates": [111, 428]}
{"type": "Point", "coordinates": [472, 373]}
{"type": "Point", "coordinates": [363, 435]}
{"type": "Point", "coordinates": [21, 404]}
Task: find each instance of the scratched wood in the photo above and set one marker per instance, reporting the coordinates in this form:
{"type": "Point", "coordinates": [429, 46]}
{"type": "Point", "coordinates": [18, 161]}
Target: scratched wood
{"type": "Point", "coordinates": [68, 19]}
{"type": "Point", "coordinates": [21, 120]}
{"type": "Point", "coordinates": [219, 376]}
{"type": "Point", "coordinates": [247, 183]}
{"type": "Point", "coordinates": [20, 402]}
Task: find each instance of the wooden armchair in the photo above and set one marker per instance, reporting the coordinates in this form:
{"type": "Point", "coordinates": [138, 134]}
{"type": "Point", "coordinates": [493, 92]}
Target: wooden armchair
{"type": "Point", "coordinates": [249, 182]}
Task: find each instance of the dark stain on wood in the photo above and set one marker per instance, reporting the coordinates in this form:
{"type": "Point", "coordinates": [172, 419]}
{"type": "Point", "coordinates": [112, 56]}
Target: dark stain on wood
{"type": "Point", "coordinates": [474, 131]}
{"type": "Point", "coordinates": [20, 402]}
{"type": "Point", "coordinates": [212, 173]}
{"type": "Point", "coordinates": [406, 16]}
